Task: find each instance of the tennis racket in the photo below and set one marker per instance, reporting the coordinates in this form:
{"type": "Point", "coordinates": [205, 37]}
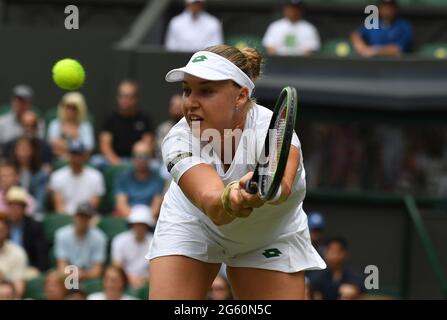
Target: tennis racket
{"type": "Point", "coordinates": [271, 164]}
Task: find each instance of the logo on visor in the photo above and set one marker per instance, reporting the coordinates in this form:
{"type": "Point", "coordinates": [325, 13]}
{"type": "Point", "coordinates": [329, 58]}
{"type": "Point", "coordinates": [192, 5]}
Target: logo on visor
{"type": "Point", "coordinates": [199, 59]}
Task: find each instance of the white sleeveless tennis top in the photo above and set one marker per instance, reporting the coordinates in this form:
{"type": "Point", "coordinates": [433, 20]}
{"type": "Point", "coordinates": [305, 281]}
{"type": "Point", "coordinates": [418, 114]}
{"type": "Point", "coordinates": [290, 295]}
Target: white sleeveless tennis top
{"type": "Point", "coordinates": [265, 224]}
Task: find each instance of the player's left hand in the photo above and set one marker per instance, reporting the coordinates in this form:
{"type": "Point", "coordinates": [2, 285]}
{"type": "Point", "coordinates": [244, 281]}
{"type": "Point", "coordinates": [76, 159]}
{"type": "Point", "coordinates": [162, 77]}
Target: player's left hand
{"type": "Point", "coordinates": [249, 200]}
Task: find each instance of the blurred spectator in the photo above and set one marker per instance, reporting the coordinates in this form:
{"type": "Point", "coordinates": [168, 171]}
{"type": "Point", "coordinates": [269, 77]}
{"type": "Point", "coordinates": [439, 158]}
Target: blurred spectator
{"type": "Point", "coordinates": [9, 179]}
{"type": "Point", "coordinates": [316, 224]}
{"type": "Point", "coordinates": [31, 174]}
{"type": "Point", "coordinates": [54, 286]}
{"type": "Point", "coordinates": [194, 29]}
{"type": "Point", "coordinates": [124, 128]}
{"type": "Point", "coordinates": [21, 101]}
{"type": "Point", "coordinates": [130, 247]}
{"type": "Point", "coordinates": [139, 185]}
{"type": "Point", "coordinates": [29, 123]}
{"type": "Point", "coordinates": [76, 294]}
{"type": "Point", "coordinates": [291, 35]}
{"type": "Point", "coordinates": [76, 183]}
{"type": "Point", "coordinates": [13, 260]}
{"type": "Point", "coordinates": [349, 291]}
{"type": "Point", "coordinates": [7, 290]}
{"type": "Point", "coordinates": [326, 283]}
{"type": "Point", "coordinates": [220, 289]}
{"type": "Point", "coordinates": [71, 124]}
{"type": "Point", "coordinates": [26, 232]}
{"type": "Point", "coordinates": [114, 284]}
{"type": "Point", "coordinates": [81, 244]}
{"type": "Point", "coordinates": [175, 114]}
{"type": "Point", "coordinates": [392, 38]}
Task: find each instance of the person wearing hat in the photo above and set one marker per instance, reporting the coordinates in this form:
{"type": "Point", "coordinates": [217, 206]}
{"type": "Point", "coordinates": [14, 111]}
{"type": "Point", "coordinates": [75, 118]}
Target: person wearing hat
{"type": "Point", "coordinates": [392, 38]}
{"type": "Point", "coordinates": [21, 101]}
{"type": "Point", "coordinates": [194, 29]}
{"type": "Point", "coordinates": [76, 183]}
{"type": "Point", "coordinates": [81, 244]}
{"type": "Point", "coordinates": [291, 35]}
{"type": "Point", "coordinates": [25, 231]}
{"type": "Point", "coordinates": [13, 260]}
{"type": "Point", "coordinates": [130, 247]}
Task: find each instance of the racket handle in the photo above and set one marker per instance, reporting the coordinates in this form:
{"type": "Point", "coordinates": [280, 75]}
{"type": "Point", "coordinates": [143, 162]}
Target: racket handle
{"type": "Point", "coordinates": [251, 187]}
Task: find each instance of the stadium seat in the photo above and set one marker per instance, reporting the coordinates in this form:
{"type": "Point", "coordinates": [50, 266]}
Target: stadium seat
{"type": "Point", "coordinates": [337, 47]}
{"type": "Point", "coordinates": [110, 175]}
{"type": "Point", "coordinates": [34, 288]}
{"type": "Point", "coordinates": [52, 222]}
{"type": "Point", "coordinates": [112, 226]}
{"type": "Point", "coordinates": [434, 50]}
{"type": "Point", "coordinates": [4, 109]}
{"type": "Point", "coordinates": [241, 41]}
{"type": "Point", "coordinates": [92, 285]}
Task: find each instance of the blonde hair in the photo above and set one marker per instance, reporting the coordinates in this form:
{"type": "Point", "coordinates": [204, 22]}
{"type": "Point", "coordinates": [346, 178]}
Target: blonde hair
{"type": "Point", "coordinates": [249, 60]}
{"type": "Point", "coordinates": [76, 99]}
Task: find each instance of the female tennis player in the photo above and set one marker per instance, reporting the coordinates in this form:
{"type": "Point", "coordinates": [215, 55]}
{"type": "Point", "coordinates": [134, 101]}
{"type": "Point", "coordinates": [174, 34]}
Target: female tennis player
{"type": "Point", "coordinates": [207, 217]}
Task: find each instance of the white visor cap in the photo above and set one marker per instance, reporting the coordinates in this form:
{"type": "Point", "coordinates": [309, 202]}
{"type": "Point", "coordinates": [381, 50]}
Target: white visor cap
{"type": "Point", "coordinates": [210, 66]}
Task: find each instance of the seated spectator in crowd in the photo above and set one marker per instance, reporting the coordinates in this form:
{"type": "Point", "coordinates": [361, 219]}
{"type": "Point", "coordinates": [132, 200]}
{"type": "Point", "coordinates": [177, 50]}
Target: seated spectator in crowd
{"type": "Point", "coordinates": [220, 289]}
{"type": "Point", "coordinates": [71, 124]}
{"type": "Point", "coordinates": [21, 101]}
{"type": "Point", "coordinates": [129, 248]}
{"type": "Point", "coordinates": [54, 286]}
{"type": "Point", "coordinates": [76, 294]}
{"type": "Point", "coordinates": [291, 35]}
{"type": "Point", "coordinates": [81, 244]}
{"type": "Point", "coordinates": [29, 123]}
{"type": "Point", "coordinates": [9, 179]}
{"type": "Point", "coordinates": [139, 185]}
{"type": "Point", "coordinates": [392, 38]}
{"type": "Point", "coordinates": [194, 29]}
{"type": "Point", "coordinates": [7, 290]}
{"type": "Point", "coordinates": [124, 128]}
{"type": "Point", "coordinates": [114, 284]}
{"type": "Point", "coordinates": [25, 231]}
{"type": "Point", "coordinates": [175, 114]}
{"type": "Point", "coordinates": [13, 260]}
{"type": "Point", "coordinates": [316, 224]}
{"type": "Point", "coordinates": [76, 183]}
{"type": "Point", "coordinates": [349, 291]}
{"type": "Point", "coordinates": [29, 167]}
{"type": "Point", "coordinates": [326, 283]}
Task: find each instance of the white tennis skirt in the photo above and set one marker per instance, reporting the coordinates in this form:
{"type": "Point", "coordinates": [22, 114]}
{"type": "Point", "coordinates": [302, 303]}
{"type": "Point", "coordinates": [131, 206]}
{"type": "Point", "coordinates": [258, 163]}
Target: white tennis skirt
{"type": "Point", "coordinates": [187, 235]}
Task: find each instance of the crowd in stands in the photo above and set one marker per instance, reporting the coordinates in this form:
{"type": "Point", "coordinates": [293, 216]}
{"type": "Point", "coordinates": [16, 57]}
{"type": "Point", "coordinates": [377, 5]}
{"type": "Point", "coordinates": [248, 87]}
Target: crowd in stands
{"type": "Point", "coordinates": [58, 168]}
{"type": "Point", "coordinates": [292, 35]}
{"type": "Point", "coordinates": [124, 180]}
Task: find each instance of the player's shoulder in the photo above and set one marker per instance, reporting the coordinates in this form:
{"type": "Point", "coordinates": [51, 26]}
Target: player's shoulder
{"type": "Point", "coordinates": [180, 129]}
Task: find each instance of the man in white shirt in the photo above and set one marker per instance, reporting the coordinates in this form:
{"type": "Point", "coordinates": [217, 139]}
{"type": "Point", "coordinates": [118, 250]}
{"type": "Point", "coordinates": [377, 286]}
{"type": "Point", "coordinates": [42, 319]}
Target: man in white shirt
{"type": "Point", "coordinates": [76, 183]}
{"type": "Point", "coordinates": [130, 247]}
{"type": "Point", "coordinates": [194, 29]}
{"type": "Point", "coordinates": [291, 35]}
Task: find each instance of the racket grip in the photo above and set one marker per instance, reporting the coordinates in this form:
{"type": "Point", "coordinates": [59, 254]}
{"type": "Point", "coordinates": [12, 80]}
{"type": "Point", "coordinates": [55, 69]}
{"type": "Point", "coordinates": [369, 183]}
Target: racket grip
{"type": "Point", "coordinates": [251, 187]}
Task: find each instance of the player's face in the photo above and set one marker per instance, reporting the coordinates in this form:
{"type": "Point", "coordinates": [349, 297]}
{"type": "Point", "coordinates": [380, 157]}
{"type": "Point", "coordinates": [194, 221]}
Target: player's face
{"type": "Point", "coordinates": [211, 104]}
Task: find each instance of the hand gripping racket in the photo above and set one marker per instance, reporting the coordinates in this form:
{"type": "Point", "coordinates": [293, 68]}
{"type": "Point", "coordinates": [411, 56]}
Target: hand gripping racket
{"type": "Point", "coordinates": [272, 162]}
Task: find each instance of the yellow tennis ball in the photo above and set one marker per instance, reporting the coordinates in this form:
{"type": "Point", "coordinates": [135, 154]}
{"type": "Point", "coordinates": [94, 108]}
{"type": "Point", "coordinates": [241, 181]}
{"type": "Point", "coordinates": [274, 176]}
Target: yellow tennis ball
{"type": "Point", "coordinates": [68, 74]}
